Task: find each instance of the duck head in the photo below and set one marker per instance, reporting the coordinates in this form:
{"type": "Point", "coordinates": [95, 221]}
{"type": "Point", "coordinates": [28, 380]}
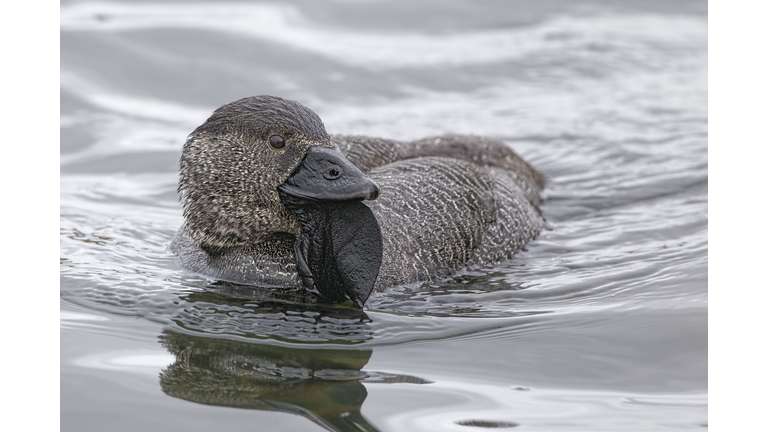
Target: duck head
{"type": "Point", "coordinates": [262, 166]}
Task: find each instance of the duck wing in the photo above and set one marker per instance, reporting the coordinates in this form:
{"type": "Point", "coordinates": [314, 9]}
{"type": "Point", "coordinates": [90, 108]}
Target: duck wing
{"type": "Point", "coordinates": [368, 153]}
{"type": "Point", "coordinates": [438, 215]}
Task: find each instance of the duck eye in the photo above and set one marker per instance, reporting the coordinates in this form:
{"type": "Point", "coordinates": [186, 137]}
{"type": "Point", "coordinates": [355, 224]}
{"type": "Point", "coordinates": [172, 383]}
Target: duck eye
{"type": "Point", "coordinates": [276, 141]}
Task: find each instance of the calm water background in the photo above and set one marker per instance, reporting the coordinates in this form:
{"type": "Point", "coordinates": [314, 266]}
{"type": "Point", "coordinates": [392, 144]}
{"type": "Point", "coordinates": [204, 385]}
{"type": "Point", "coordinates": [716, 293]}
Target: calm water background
{"type": "Point", "coordinates": [600, 325]}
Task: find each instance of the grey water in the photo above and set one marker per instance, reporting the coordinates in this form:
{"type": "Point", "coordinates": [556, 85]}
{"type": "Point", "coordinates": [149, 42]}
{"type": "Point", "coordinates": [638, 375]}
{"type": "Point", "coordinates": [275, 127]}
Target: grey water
{"type": "Point", "coordinates": [601, 324]}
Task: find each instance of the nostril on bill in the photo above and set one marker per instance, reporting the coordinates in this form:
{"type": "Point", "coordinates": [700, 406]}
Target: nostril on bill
{"type": "Point", "coordinates": [332, 174]}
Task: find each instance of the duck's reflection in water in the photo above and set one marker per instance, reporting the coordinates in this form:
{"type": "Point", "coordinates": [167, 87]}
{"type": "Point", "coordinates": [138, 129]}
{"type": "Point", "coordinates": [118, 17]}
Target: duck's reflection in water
{"type": "Point", "coordinates": [324, 385]}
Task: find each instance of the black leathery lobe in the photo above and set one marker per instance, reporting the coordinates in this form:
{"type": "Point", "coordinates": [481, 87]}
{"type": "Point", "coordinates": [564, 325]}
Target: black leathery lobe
{"type": "Point", "coordinates": [339, 251]}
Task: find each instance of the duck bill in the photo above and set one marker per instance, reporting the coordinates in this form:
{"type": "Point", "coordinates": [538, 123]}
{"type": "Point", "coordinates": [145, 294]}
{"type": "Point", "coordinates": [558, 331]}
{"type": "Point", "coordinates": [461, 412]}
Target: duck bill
{"type": "Point", "coordinates": [325, 174]}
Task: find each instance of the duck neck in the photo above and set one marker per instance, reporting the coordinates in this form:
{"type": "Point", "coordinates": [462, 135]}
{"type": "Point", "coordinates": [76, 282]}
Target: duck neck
{"type": "Point", "coordinates": [338, 252]}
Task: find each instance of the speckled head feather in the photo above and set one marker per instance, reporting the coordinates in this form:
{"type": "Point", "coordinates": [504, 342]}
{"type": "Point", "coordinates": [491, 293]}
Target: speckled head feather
{"type": "Point", "coordinates": [229, 173]}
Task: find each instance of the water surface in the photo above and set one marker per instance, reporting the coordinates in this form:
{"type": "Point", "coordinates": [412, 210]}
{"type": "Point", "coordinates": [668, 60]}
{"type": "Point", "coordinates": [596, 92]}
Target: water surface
{"type": "Point", "coordinates": [601, 324]}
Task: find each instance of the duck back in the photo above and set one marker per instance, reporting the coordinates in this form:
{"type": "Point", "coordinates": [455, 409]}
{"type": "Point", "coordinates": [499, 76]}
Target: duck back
{"type": "Point", "coordinates": [447, 203]}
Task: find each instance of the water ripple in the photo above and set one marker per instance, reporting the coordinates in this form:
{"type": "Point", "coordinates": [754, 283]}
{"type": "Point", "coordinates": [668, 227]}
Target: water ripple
{"type": "Point", "coordinates": [611, 37]}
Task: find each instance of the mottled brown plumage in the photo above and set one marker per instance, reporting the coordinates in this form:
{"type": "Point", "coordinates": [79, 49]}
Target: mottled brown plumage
{"type": "Point", "coordinates": [230, 173]}
{"type": "Point", "coordinates": [445, 202]}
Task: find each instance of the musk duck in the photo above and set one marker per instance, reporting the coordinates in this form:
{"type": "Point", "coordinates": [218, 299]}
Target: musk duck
{"type": "Point", "coordinates": [271, 200]}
